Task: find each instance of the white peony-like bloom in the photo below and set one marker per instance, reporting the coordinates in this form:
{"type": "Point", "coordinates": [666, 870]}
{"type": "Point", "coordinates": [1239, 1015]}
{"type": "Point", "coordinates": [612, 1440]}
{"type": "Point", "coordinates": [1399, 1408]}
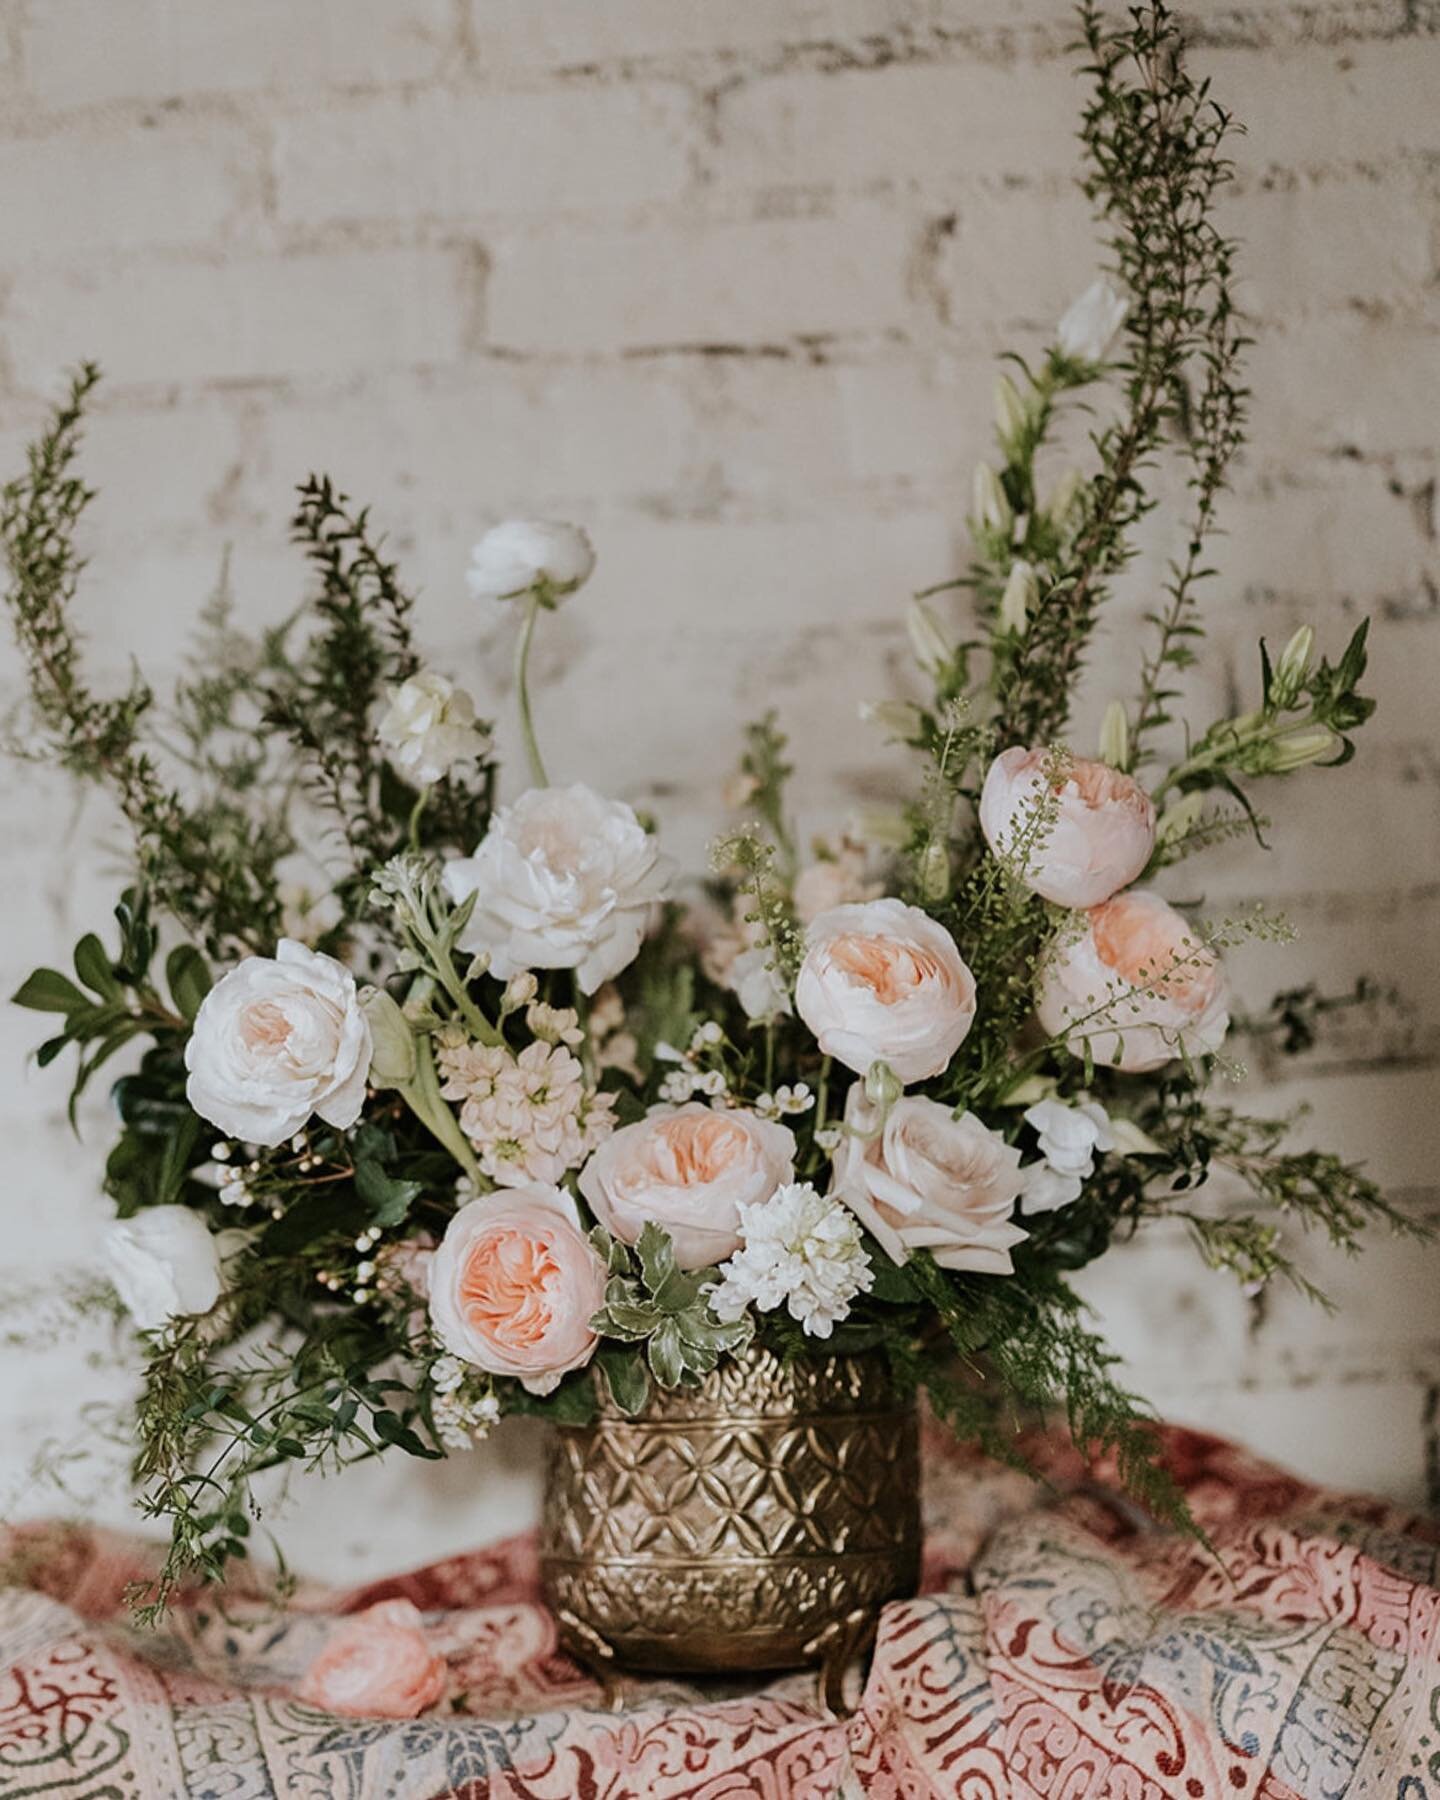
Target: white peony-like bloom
{"type": "Point", "coordinates": [517, 556]}
{"type": "Point", "coordinates": [429, 727]}
{"type": "Point", "coordinates": [278, 1039]}
{"type": "Point", "coordinates": [1088, 327]}
{"type": "Point", "coordinates": [1069, 1134]}
{"type": "Point", "coordinates": [563, 879]}
{"type": "Point", "coordinates": [921, 1179]}
{"type": "Point", "coordinates": [1100, 837]}
{"type": "Point", "coordinates": [758, 986]}
{"type": "Point", "coordinates": [164, 1264]}
{"type": "Point", "coordinates": [802, 1250]}
{"type": "Point", "coordinates": [1138, 988]}
{"type": "Point", "coordinates": [884, 982]}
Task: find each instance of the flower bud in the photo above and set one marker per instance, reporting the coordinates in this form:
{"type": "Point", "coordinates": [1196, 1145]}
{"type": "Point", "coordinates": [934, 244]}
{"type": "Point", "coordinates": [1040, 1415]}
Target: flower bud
{"type": "Point", "coordinates": [1294, 665]}
{"type": "Point", "coordinates": [392, 1057]}
{"type": "Point", "coordinates": [897, 718]}
{"type": "Point", "coordinates": [883, 1086]}
{"type": "Point", "coordinates": [520, 990]}
{"type": "Point", "coordinates": [878, 825]}
{"type": "Point", "coordinates": [990, 508]}
{"type": "Point", "coordinates": [1021, 596]}
{"type": "Point", "coordinates": [934, 872]}
{"type": "Point", "coordinates": [1180, 818]}
{"type": "Point", "coordinates": [1062, 501]}
{"type": "Point", "coordinates": [1012, 416]}
{"type": "Point", "coordinates": [932, 652]}
{"type": "Point", "coordinates": [1115, 736]}
{"type": "Point", "coordinates": [1294, 749]}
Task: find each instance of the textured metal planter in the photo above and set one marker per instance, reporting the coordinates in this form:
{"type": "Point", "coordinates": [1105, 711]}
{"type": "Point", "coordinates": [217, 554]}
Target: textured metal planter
{"type": "Point", "coordinates": [758, 1522]}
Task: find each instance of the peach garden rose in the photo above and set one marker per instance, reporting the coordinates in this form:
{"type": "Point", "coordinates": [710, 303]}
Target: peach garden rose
{"type": "Point", "coordinates": [689, 1169]}
{"type": "Point", "coordinates": [376, 1665]}
{"type": "Point", "coordinates": [1138, 987]}
{"type": "Point", "coordinates": [924, 1180]}
{"type": "Point", "coordinates": [1101, 838]}
{"type": "Point", "coordinates": [884, 982]}
{"type": "Point", "coordinates": [514, 1285]}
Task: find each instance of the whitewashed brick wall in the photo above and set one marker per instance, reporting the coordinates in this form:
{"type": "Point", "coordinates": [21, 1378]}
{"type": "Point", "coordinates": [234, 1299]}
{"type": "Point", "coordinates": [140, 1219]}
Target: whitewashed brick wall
{"type": "Point", "coordinates": [725, 282]}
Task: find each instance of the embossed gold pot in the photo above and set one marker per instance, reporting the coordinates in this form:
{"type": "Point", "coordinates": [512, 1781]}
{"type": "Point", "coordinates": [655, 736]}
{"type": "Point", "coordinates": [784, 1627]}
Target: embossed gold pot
{"type": "Point", "coordinates": [757, 1522]}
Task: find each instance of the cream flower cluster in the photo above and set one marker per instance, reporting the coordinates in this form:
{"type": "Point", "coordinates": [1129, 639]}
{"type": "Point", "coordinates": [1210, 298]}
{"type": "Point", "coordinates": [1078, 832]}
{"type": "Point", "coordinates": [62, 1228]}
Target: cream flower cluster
{"type": "Point", "coordinates": [530, 1117]}
{"type": "Point", "coordinates": [802, 1250]}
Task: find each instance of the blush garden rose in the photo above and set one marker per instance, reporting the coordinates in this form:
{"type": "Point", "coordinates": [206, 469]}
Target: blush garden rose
{"type": "Point", "coordinates": [514, 1285]}
{"type": "Point", "coordinates": [376, 1665]}
{"type": "Point", "coordinates": [1100, 839]}
{"type": "Point", "coordinates": [1137, 987]}
{"type": "Point", "coordinates": [689, 1170]}
{"type": "Point", "coordinates": [884, 982]}
{"type": "Point", "coordinates": [563, 879]}
{"type": "Point", "coordinates": [276, 1041]}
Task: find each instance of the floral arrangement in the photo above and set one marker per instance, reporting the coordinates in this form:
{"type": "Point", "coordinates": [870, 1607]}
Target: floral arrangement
{"type": "Point", "coordinates": [490, 1108]}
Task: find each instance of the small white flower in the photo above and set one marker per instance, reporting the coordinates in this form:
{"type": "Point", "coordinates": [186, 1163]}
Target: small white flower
{"type": "Point", "coordinates": [1069, 1137]}
{"type": "Point", "coordinates": [164, 1264]}
{"type": "Point", "coordinates": [429, 727]}
{"type": "Point", "coordinates": [678, 1086]}
{"type": "Point", "coordinates": [1088, 327]}
{"type": "Point", "coordinates": [517, 556]}
{"type": "Point", "coordinates": [758, 985]}
{"type": "Point", "coordinates": [802, 1250]}
{"type": "Point", "coordinates": [712, 1082]}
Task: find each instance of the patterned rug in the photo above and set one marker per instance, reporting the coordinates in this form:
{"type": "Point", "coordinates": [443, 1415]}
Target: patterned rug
{"type": "Point", "coordinates": [1060, 1649]}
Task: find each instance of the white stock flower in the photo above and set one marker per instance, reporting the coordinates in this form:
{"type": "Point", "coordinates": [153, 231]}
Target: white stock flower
{"type": "Point", "coordinates": [517, 556]}
{"type": "Point", "coordinates": [164, 1263]}
{"type": "Point", "coordinates": [563, 879]}
{"type": "Point", "coordinates": [430, 726]}
{"type": "Point", "coordinates": [802, 1250]}
{"type": "Point", "coordinates": [1069, 1137]}
{"type": "Point", "coordinates": [1088, 327]}
{"type": "Point", "coordinates": [279, 1038]}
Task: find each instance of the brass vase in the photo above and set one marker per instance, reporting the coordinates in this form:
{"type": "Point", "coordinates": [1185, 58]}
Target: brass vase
{"type": "Point", "coordinates": [759, 1521]}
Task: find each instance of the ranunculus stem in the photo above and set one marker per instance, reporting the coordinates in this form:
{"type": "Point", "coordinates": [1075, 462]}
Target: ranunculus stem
{"type": "Point", "coordinates": [422, 1095]}
{"type": "Point", "coordinates": [533, 602]}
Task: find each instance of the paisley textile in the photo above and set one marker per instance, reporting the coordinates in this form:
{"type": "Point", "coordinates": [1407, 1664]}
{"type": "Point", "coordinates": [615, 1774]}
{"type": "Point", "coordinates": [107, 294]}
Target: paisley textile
{"type": "Point", "coordinates": [1062, 1649]}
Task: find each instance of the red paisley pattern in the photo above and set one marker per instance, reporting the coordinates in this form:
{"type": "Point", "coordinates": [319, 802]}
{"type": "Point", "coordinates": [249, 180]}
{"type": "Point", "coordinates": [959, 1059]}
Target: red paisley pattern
{"type": "Point", "coordinates": [1062, 1650]}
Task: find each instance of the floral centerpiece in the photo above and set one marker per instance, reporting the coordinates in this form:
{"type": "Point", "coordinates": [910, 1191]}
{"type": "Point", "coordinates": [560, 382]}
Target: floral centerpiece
{"type": "Point", "coordinates": [489, 1112]}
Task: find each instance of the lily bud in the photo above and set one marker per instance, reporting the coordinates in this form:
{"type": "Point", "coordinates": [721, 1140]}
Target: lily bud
{"type": "Point", "coordinates": [934, 872]}
{"type": "Point", "coordinates": [883, 1086]}
{"type": "Point", "coordinates": [1294, 665]}
{"type": "Point", "coordinates": [1021, 596]}
{"type": "Point", "coordinates": [1115, 736]}
{"type": "Point", "coordinates": [1180, 818]}
{"type": "Point", "coordinates": [898, 718]}
{"type": "Point", "coordinates": [932, 652]}
{"type": "Point", "coordinates": [1294, 749]}
{"type": "Point", "coordinates": [1012, 416]}
{"type": "Point", "coordinates": [990, 508]}
{"type": "Point", "coordinates": [1062, 501]}
{"type": "Point", "coordinates": [392, 1057]}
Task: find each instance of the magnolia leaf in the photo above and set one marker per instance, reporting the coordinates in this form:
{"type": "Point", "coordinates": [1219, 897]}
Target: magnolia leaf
{"type": "Point", "coordinates": [187, 975]}
{"type": "Point", "coordinates": [47, 990]}
{"type": "Point", "coordinates": [92, 965]}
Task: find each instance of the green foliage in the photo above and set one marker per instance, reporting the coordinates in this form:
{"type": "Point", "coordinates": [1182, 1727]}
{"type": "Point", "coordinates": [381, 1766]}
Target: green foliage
{"type": "Point", "coordinates": [664, 1308]}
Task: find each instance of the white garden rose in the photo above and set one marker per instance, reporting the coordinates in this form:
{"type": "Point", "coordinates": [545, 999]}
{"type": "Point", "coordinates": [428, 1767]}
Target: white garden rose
{"type": "Point", "coordinates": [563, 879]}
{"type": "Point", "coordinates": [921, 1179]}
{"type": "Point", "coordinates": [279, 1039]}
{"type": "Point", "coordinates": [1138, 988]}
{"type": "Point", "coordinates": [1099, 839]}
{"type": "Point", "coordinates": [429, 727]}
{"type": "Point", "coordinates": [1069, 1136]}
{"type": "Point", "coordinates": [164, 1263]}
{"type": "Point", "coordinates": [514, 557]}
{"type": "Point", "coordinates": [1088, 327]}
{"type": "Point", "coordinates": [884, 982]}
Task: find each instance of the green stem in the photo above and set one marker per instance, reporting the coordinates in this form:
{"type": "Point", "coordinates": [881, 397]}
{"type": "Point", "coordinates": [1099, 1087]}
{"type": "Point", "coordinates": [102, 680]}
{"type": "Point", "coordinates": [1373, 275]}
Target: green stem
{"type": "Point", "coordinates": [439, 961]}
{"type": "Point", "coordinates": [423, 1097]}
{"type": "Point", "coordinates": [533, 603]}
{"type": "Point", "coordinates": [415, 812]}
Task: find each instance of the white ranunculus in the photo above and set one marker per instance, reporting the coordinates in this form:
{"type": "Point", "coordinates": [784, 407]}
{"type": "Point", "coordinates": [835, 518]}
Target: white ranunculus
{"type": "Point", "coordinates": [514, 557]}
{"type": "Point", "coordinates": [279, 1038]}
{"type": "Point", "coordinates": [563, 879]}
{"type": "Point", "coordinates": [1088, 327]}
{"type": "Point", "coordinates": [884, 982]}
{"type": "Point", "coordinates": [429, 727]}
{"type": "Point", "coordinates": [1069, 1137]}
{"type": "Point", "coordinates": [164, 1263]}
